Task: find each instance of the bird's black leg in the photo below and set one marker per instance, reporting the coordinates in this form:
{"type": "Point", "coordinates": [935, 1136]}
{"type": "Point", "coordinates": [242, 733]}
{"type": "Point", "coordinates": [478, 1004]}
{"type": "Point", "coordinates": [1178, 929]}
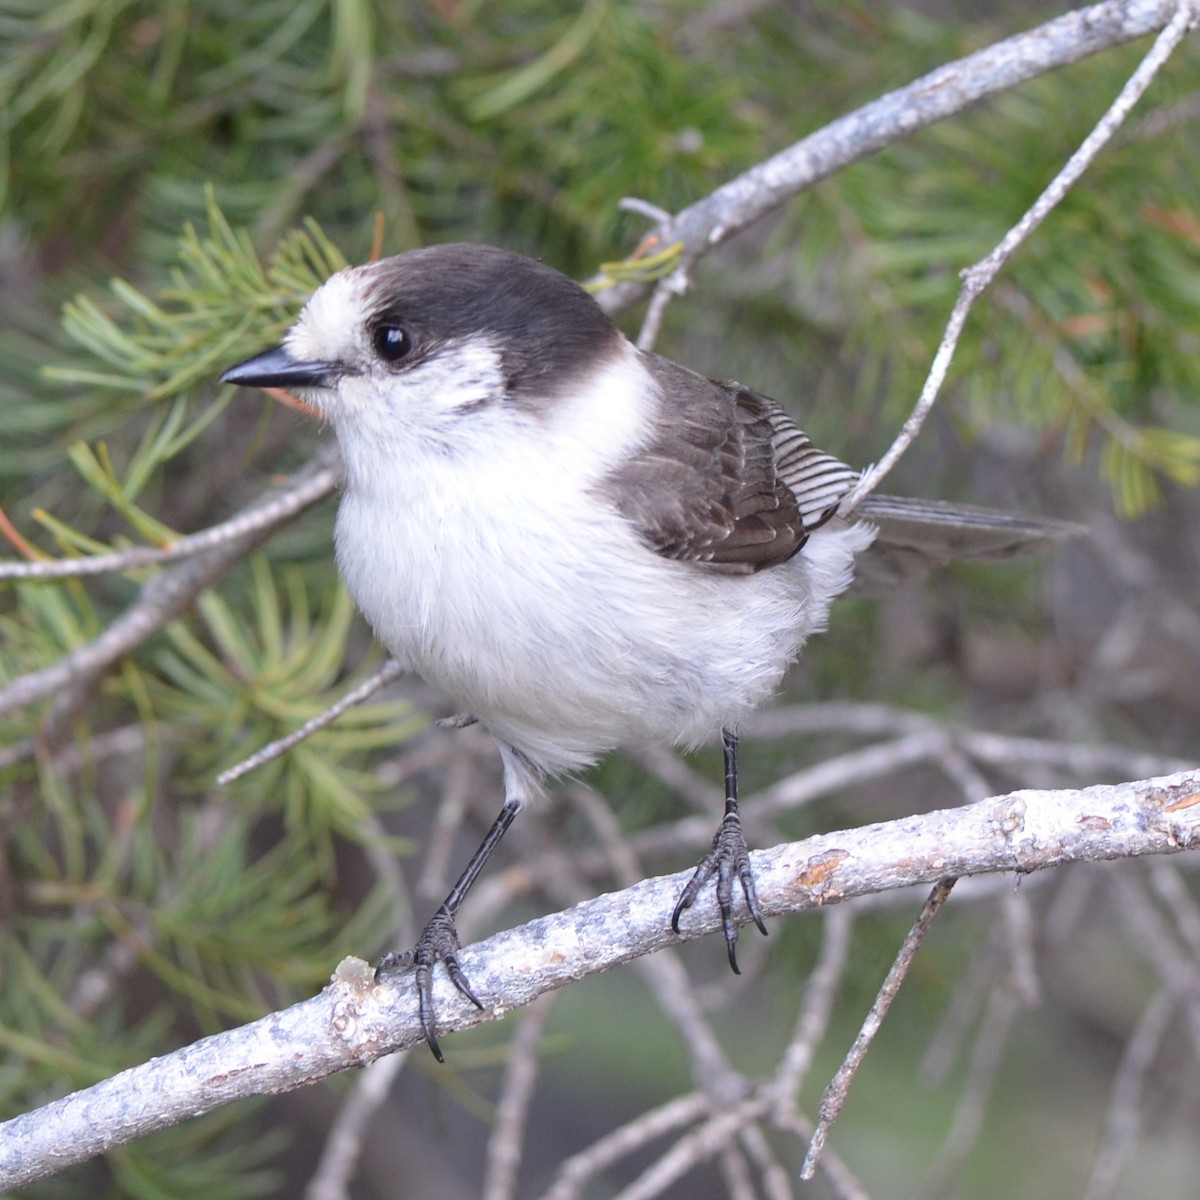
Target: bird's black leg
{"type": "Point", "coordinates": [439, 939]}
{"type": "Point", "coordinates": [728, 858]}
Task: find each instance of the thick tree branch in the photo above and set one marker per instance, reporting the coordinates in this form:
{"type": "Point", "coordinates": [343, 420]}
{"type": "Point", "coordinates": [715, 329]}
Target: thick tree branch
{"type": "Point", "coordinates": [942, 93]}
{"type": "Point", "coordinates": [357, 1020]}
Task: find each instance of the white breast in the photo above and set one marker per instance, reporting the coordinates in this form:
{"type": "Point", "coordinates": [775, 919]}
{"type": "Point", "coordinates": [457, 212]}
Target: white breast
{"type": "Point", "coordinates": [487, 564]}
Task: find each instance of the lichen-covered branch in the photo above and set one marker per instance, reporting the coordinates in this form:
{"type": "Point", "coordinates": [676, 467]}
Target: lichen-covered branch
{"type": "Point", "coordinates": [357, 1019]}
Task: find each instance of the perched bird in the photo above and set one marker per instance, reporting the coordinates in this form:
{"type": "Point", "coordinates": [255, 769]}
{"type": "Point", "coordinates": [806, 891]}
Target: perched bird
{"type": "Point", "coordinates": [584, 545]}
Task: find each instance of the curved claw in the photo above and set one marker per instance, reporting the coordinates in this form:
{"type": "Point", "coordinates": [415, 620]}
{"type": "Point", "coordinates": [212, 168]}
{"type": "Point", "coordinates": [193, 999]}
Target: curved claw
{"type": "Point", "coordinates": [728, 858]}
{"type": "Point", "coordinates": [439, 941]}
{"type": "Point", "coordinates": [688, 896]}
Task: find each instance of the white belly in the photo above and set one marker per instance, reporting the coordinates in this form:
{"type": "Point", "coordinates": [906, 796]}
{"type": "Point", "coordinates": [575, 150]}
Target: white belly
{"type": "Point", "coordinates": [567, 644]}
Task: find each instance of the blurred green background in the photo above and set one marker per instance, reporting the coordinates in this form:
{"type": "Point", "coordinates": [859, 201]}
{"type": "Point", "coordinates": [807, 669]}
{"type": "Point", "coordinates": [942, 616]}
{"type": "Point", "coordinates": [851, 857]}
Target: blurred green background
{"type": "Point", "coordinates": [176, 177]}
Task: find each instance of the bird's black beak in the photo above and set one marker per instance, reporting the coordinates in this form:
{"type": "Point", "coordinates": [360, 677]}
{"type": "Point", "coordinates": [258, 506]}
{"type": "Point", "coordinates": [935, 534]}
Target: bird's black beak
{"type": "Point", "coordinates": [277, 368]}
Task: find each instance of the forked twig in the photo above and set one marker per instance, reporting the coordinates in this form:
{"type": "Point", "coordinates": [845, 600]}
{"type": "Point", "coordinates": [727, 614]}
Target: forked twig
{"type": "Point", "coordinates": [977, 278]}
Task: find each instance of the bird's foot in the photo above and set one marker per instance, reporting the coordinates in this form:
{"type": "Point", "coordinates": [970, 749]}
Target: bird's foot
{"type": "Point", "coordinates": [728, 859]}
{"type": "Point", "coordinates": [439, 941]}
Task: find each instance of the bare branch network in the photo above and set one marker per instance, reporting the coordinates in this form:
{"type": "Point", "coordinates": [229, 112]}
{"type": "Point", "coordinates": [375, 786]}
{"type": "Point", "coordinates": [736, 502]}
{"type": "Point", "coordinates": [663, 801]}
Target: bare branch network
{"type": "Point", "coordinates": [357, 1020]}
{"type": "Point", "coordinates": [942, 93]}
{"type": "Point", "coordinates": [210, 556]}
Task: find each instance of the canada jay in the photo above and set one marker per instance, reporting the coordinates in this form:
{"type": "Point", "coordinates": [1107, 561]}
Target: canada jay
{"type": "Point", "coordinates": [584, 545]}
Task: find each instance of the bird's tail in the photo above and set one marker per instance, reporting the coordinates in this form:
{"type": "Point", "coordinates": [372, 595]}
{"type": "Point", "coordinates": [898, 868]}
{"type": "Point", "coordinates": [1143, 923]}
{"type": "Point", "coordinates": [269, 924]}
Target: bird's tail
{"type": "Point", "coordinates": [915, 535]}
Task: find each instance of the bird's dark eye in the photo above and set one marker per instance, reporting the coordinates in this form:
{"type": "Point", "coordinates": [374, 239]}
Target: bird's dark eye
{"type": "Point", "coordinates": [392, 342]}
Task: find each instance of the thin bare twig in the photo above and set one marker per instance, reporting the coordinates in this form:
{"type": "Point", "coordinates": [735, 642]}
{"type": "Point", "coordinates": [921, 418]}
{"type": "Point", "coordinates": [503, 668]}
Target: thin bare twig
{"type": "Point", "coordinates": [839, 1087]}
{"type": "Point", "coordinates": [389, 672]}
{"type": "Point", "coordinates": [966, 1001]}
{"type": "Point", "coordinates": [71, 680]}
{"type": "Point", "coordinates": [754, 1146]}
{"type": "Point", "coordinates": [819, 995]}
{"type": "Point", "coordinates": [795, 791]}
{"type": "Point", "coordinates": [266, 517]}
{"type": "Point", "coordinates": [1017, 914]}
{"type": "Point", "coordinates": [1155, 942]}
{"type": "Point", "coordinates": [1073, 895]}
{"type": "Point", "coordinates": [578, 1170]}
{"type": "Point", "coordinates": [833, 1169]}
{"type": "Point", "coordinates": [977, 278]}
{"type": "Point", "coordinates": [1123, 1122]}
{"type": "Point", "coordinates": [986, 1057]}
{"type": "Point", "coordinates": [735, 1174]}
{"type": "Point", "coordinates": [1083, 759]}
{"type": "Point", "coordinates": [1080, 759]}
{"type": "Point", "coordinates": [664, 292]}
{"type": "Point", "coordinates": [665, 973]}
{"type": "Point", "coordinates": [516, 1095]}
{"type": "Point", "coordinates": [942, 93]}
{"type": "Point", "coordinates": [1180, 904]}
{"type": "Point", "coordinates": [350, 1128]}
{"type": "Point", "coordinates": [696, 1146]}
{"type": "Point", "coordinates": [112, 743]}
{"type": "Point", "coordinates": [695, 788]}
{"type": "Point", "coordinates": [643, 208]}
{"type": "Point", "coordinates": [460, 777]}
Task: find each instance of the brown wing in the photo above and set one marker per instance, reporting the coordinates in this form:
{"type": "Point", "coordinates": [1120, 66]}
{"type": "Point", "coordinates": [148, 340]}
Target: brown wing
{"type": "Point", "coordinates": [728, 481]}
